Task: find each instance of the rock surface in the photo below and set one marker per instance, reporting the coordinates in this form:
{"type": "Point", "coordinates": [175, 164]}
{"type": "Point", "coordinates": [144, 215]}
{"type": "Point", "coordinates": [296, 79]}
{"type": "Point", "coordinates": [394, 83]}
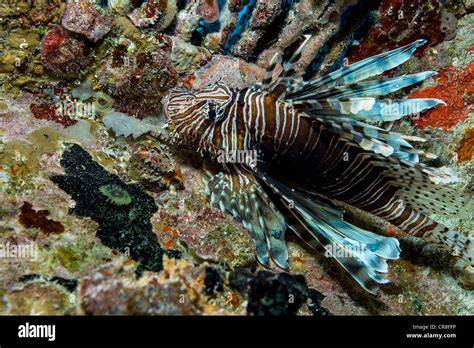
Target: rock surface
{"type": "Point", "coordinates": [101, 214]}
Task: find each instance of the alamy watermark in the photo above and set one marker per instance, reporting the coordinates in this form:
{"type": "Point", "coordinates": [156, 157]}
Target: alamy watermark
{"type": "Point", "coordinates": [18, 251]}
{"type": "Point", "coordinates": [76, 109]}
{"type": "Point", "coordinates": [28, 330]}
{"type": "Point", "coordinates": [396, 108]}
{"type": "Point", "coordinates": [333, 250]}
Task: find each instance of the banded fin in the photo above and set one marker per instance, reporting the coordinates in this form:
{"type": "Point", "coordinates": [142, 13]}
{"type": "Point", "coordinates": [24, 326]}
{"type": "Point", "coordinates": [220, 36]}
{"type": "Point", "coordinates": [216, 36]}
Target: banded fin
{"type": "Point", "coordinates": [417, 189]}
{"type": "Point", "coordinates": [268, 75]}
{"type": "Point", "coordinates": [371, 88]}
{"type": "Point", "coordinates": [399, 142]}
{"type": "Point", "coordinates": [279, 87]}
{"type": "Point", "coordinates": [361, 253]}
{"type": "Point", "coordinates": [372, 138]}
{"type": "Point", "coordinates": [416, 196]}
{"type": "Point", "coordinates": [239, 194]}
{"type": "Point", "coordinates": [417, 171]}
{"type": "Point", "coordinates": [416, 221]}
{"type": "Point", "coordinates": [340, 94]}
{"type": "Point", "coordinates": [366, 108]}
{"type": "Point", "coordinates": [411, 155]}
{"type": "Point", "coordinates": [358, 71]}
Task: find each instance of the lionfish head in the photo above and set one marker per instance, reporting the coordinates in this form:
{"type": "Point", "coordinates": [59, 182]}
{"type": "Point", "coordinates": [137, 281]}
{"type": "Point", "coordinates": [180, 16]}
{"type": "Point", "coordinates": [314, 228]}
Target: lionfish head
{"type": "Point", "coordinates": [190, 113]}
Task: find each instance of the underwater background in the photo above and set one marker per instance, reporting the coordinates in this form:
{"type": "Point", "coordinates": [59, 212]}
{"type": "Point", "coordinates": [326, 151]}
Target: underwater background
{"type": "Point", "coordinates": [101, 214]}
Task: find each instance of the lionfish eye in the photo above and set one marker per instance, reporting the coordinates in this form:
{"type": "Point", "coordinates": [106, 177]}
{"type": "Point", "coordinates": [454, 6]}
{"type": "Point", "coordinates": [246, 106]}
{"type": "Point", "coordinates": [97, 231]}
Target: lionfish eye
{"type": "Point", "coordinates": [210, 111]}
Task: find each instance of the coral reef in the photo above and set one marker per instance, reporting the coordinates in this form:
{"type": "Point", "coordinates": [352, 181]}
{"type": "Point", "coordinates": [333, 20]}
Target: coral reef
{"type": "Point", "coordinates": [466, 146]}
{"type": "Point", "coordinates": [154, 165]}
{"type": "Point", "coordinates": [425, 18]}
{"type": "Point", "coordinates": [82, 18]}
{"type": "Point", "coordinates": [155, 13]}
{"type": "Point", "coordinates": [269, 293]}
{"type": "Point", "coordinates": [38, 298]}
{"type": "Point", "coordinates": [452, 84]}
{"type": "Point", "coordinates": [137, 78]}
{"type": "Point", "coordinates": [122, 211]}
{"type": "Point", "coordinates": [181, 289]}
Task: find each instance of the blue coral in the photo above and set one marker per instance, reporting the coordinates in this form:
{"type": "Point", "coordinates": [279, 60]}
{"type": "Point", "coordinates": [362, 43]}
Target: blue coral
{"type": "Point", "coordinates": [350, 22]}
{"type": "Point", "coordinates": [241, 24]}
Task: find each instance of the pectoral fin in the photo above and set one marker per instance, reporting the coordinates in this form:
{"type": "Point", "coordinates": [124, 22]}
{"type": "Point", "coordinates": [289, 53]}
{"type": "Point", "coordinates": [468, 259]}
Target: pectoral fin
{"type": "Point", "coordinates": [361, 253]}
{"type": "Point", "coordinates": [238, 193]}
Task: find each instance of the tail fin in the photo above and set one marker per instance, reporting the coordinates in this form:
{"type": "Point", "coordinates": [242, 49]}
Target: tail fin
{"type": "Point", "coordinates": [419, 196]}
{"type": "Point", "coordinates": [418, 223]}
{"type": "Point", "coordinates": [361, 253]}
{"type": "Point", "coordinates": [403, 192]}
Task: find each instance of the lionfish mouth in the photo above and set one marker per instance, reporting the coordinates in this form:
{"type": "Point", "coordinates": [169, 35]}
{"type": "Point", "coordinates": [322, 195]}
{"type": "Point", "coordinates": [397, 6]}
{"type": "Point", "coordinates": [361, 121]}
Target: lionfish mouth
{"type": "Point", "coordinates": [165, 100]}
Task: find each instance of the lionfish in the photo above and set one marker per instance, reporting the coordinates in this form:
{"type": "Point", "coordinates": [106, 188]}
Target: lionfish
{"type": "Point", "coordinates": [314, 149]}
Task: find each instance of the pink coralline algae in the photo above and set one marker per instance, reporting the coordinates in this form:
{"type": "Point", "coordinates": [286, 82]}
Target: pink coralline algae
{"type": "Point", "coordinates": [233, 72]}
{"type": "Point", "coordinates": [154, 13]}
{"type": "Point", "coordinates": [265, 11]}
{"type": "Point", "coordinates": [209, 11]}
{"type": "Point", "coordinates": [83, 18]}
{"type": "Point", "coordinates": [63, 54]}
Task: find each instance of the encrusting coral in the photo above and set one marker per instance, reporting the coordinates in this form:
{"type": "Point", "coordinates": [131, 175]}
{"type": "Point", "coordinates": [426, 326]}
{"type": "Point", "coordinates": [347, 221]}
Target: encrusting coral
{"type": "Point", "coordinates": [89, 174]}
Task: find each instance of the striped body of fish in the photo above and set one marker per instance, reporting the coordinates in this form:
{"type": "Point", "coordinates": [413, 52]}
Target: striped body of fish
{"type": "Point", "coordinates": [308, 146]}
